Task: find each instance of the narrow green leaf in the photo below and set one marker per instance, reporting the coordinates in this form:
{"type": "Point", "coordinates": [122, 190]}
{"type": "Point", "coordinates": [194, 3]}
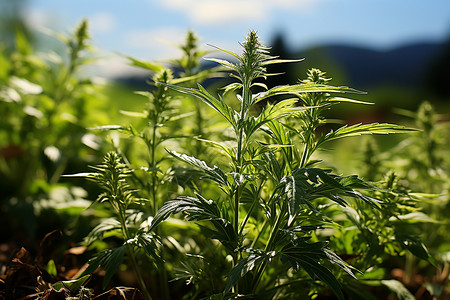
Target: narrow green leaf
{"type": "Point", "coordinates": [226, 51]}
{"type": "Point", "coordinates": [51, 268]}
{"type": "Point", "coordinates": [134, 114]}
{"type": "Point", "coordinates": [341, 99]}
{"type": "Point", "coordinates": [214, 72]}
{"type": "Point", "coordinates": [84, 174]}
{"type": "Point", "coordinates": [260, 84]}
{"type": "Point", "coordinates": [112, 262]}
{"type": "Point", "coordinates": [232, 87]}
{"type": "Point", "coordinates": [279, 133]}
{"type": "Point", "coordinates": [223, 62]}
{"type": "Point", "coordinates": [281, 61]}
{"type": "Point", "coordinates": [108, 128]}
{"type": "Point", "coordinates": [416, 247]}
{"type": "Point", "coordinates": [399, 289]}
{"type": "Point", "coordinates": [417, 217]}
{"type": "Point", "coordinates": [144, 64]}
{"type": "Point", "coordinates": [71, 285]}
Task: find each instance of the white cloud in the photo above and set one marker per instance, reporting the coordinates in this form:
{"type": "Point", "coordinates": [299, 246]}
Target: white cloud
{"type": "Point", "coordinates": [159, 42]}
{"type": "Point", "coordinates": [40, 20]}
{"type": "Point", "coordinates": [220, 12]}
{"type": "Point", "coordinates": [102, 22]}
{"type": "Point", "coordinates": [112, 67]}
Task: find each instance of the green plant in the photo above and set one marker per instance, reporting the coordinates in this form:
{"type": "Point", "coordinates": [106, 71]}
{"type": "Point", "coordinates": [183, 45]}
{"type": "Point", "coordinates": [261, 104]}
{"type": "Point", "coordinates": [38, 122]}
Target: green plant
{"type": "Point", "coordinates": [268, 213]}
{"type": "Point", "coordinates": [152, 174]}
{"type": "Point", "coordinates": [391, 240]}
{"type": "Point", "coordinates": [112, 176]}
{"type": "Point", "coordinates": [46, 105]}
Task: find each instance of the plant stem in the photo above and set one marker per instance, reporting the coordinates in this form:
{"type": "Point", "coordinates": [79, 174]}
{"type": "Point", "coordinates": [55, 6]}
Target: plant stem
{"type": "Point", "coordinates": [138, 273]}
{"type": "Point", "coordinates": [132, 253]}
{"type": "Point", "coordinates": [304, 155]}
{"type": "Point", "coordinates": [154, 191]}
{"type": "Point", "coordinates": [269, 247]}
{"type": "Point", "coordinates": [152, 149]}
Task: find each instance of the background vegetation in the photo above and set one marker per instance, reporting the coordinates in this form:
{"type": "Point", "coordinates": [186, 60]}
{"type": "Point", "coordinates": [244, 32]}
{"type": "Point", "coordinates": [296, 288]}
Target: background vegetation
{"type": "Point", "coordinates": [194, 195]}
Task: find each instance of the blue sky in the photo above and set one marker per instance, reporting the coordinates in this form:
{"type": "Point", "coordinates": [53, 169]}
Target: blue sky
{"type": "Point", "coordinates": [147, 29]}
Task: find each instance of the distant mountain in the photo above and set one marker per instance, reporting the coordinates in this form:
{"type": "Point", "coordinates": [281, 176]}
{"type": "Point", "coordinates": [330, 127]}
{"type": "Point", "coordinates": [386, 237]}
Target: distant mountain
{"type": "Point", "coordinates": [364, 68]}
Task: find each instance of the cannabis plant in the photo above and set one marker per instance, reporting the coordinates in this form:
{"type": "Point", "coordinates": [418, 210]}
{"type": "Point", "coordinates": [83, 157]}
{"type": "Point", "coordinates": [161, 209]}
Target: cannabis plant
{"type": "Point", "coordinates": [396, 233]}
{"type": "Point", "coordinates": [46, 106]}
{"type": "Point", "coordinates": [267, 210]}
{"type": "Point", "coordinates": [113, 176]}
{"type": "Point", "coordinates": [151, 174]}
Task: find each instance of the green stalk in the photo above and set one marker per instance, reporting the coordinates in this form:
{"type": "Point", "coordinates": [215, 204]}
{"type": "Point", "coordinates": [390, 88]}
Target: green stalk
{"type": "Point", "coordinates": [154, 191]}
{"type": "Point", "coordinates": [269, 247]}
{"type": "Point", "coordinates": [304, 155]}
{"type": "Point", "coordinates": [132, 253]}
{"type": "Point", "coordinates": [152, 165]}
{"type": "Point", "coordinates": [251, 209]}
{"type": "Point", "coordinates": [240, 137]}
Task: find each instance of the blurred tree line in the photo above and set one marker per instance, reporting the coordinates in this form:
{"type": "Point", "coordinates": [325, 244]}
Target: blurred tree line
{"type": "Point", "coordinates": [402, 77]}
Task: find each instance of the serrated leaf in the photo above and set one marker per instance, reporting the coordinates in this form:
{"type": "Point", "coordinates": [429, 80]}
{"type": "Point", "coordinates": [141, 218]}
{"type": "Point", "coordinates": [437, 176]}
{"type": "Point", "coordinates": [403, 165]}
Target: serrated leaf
{"type": "Point", "coordinates": [99, 231]}
{"type": "Point", "coordinates": [273, 112]}
{"type": "Point", "coordinates": [148, 243]}
{"type": "Point", "coordinates": [362, 129]}
{"type": "Point", "coordinates": [223, 231]}
{"type": "Point", "coordinates": [297, 89]}
{"type": "Point", "coordinates": [199, 209]}
{"type": "Point", "coordinates": [218, 105]}
{"type": "Point", "coordinates": [308, 257]}
{"type": "Point", "coordinates": [214, 173]}
{"type": "Point", "coordinates": [110, 259]}
{"type": "Point", "coordinates": [279, 133]}
{"type": "Point", "coordinates": [306, 184]}
{"type": "Point", "coordinates": [244, 266]}
{"type": "Point", "coordinates": [296, 196]}
{"type": "Point", "coordinates": [219, 146]}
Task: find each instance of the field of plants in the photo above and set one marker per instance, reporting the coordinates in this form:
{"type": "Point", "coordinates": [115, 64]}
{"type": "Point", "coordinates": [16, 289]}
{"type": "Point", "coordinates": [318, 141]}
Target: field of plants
{"type": "Point", "coordinates": [210, 184]}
